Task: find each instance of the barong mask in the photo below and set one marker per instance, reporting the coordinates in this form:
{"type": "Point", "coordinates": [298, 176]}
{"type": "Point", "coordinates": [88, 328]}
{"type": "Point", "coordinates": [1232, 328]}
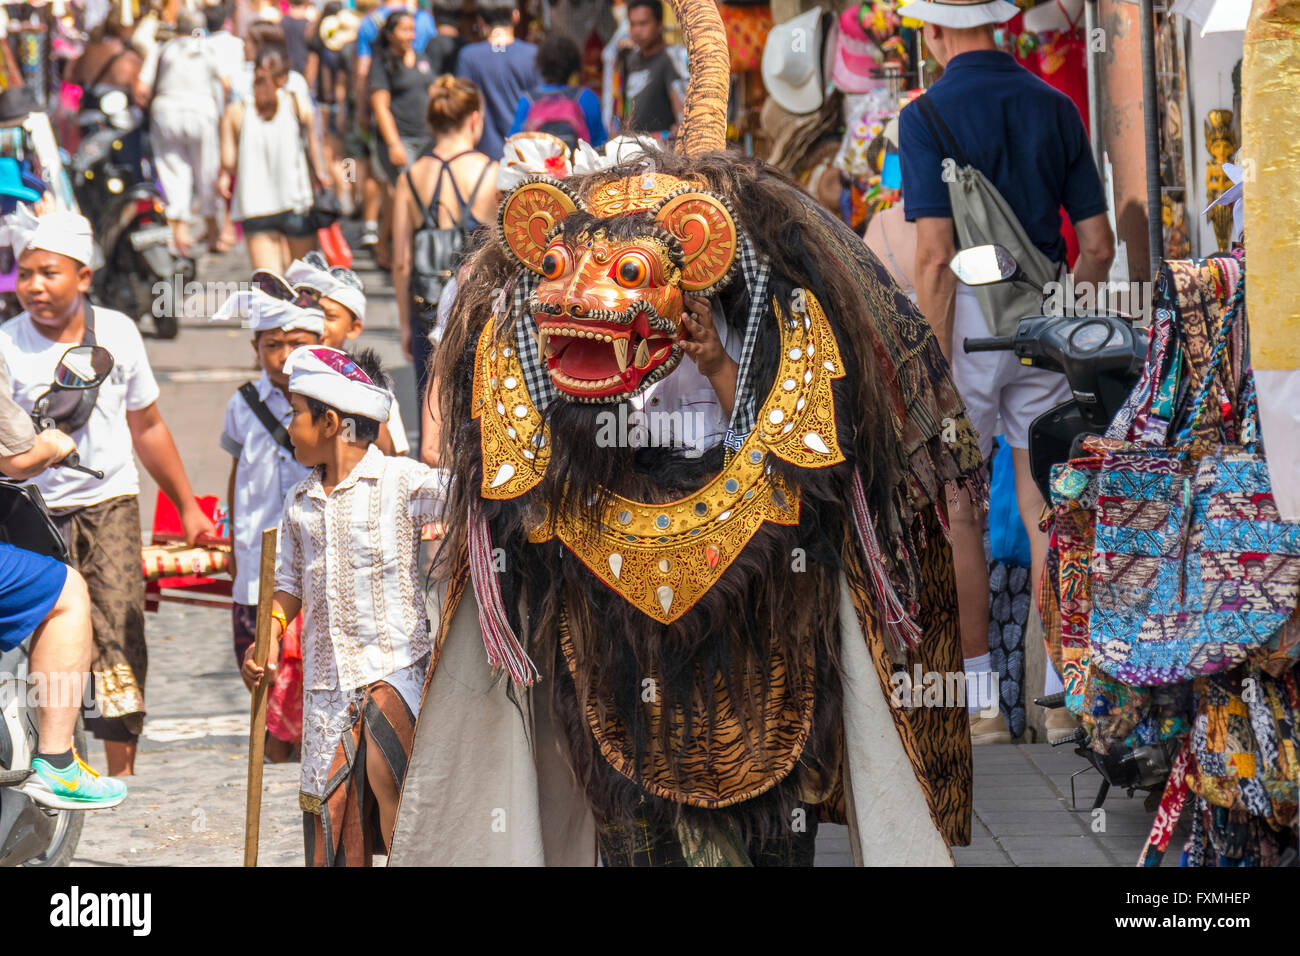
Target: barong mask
{"type": "Point", "coordinates": [614, 269]}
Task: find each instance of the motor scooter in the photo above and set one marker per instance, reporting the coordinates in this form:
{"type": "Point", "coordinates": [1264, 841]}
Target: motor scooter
{"type": "Point", "coordinates": [32, 834]}
{"type": "Point", "coordinates": [1101, 357]}
{"type": "Point", "coordinates": [113, 177]}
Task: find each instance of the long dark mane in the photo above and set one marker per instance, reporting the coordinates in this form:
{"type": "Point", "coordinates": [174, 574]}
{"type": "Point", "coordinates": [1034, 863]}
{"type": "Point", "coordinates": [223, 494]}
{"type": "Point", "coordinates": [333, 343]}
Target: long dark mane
{"type": "Point", "coordinates": [732, 629]}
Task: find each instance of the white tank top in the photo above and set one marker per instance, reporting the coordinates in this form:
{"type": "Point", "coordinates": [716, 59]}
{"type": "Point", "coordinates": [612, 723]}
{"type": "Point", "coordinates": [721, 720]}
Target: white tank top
{"type": "Point", "coordinates": [272, 173]}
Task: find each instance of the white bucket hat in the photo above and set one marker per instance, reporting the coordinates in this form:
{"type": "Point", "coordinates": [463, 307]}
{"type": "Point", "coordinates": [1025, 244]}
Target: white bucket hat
{"type": "Point", "coordinates": [792, 63]}
{"type": "Point", "coordinates": [959, 14]}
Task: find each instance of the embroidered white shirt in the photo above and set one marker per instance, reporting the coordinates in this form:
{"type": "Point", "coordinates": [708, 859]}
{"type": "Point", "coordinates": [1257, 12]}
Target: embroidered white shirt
{"type": "Point", "coordinates": [352, 558]}
{"type": "Point", "coordinates": [265, 474]}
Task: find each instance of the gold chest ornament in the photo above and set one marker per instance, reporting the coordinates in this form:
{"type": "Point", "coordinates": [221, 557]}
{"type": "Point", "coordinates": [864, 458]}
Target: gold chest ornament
{"type": "Point", "coordinates": [662, 558]}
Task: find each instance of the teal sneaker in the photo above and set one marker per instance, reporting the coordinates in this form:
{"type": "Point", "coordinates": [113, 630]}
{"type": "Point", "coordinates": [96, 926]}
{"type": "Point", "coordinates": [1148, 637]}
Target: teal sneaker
{"type": "Point", "coordinates": [75, 787]}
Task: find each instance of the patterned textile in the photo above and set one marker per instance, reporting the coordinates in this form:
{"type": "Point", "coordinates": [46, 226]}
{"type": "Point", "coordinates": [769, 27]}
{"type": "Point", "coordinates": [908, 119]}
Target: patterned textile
{"type": "Point", "coordinates": [176, 560]}
{"type": "Point", "coordinates": [747, 29]}
{"type": "Point", "coordinates": [353, 560]}
{"type": "Point", "coordinates": [1009, 607]}
{"type": "Point", "coordinates": [104, 545]}
{"type": "Point", "coordinates": [1193, 565]}
{"type": "Point", "coordinates": [1246, 744]}
{"type": "Point", "coordinates": [327, 718]}
{"type": "Point", "coordinates": [1074, 501]}
{"type": "Point", "coordinates": [343, 828]}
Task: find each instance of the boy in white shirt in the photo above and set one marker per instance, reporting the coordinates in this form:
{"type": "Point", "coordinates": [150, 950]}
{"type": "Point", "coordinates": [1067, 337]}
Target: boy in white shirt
{"type": "Point", "coordinates": [349, 560]}
{"type": "Point", "coordinates": [100, 518]}
{"type": "Point", "coordinates": [262, 473]}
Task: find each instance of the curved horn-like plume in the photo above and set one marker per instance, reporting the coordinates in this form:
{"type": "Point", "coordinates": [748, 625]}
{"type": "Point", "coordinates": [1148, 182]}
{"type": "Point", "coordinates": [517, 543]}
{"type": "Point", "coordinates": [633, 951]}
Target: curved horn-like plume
{"type": "Point", "coordinates": [704, 112]}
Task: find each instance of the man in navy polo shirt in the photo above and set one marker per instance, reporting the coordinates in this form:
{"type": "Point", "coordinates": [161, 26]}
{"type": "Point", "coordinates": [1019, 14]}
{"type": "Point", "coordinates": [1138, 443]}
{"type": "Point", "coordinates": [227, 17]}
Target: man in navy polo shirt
{"type": "Point", "coordinates": [1030, 143]}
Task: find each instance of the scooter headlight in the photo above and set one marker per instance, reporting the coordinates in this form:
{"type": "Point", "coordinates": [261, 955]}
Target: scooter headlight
{"type": "Point", "coordinates": [114, 185]}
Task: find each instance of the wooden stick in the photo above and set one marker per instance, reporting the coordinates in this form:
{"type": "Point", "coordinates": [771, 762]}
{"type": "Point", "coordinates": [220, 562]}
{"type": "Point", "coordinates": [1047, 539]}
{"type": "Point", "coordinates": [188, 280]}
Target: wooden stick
{"type": "Point", "coordinates": [257, 720]}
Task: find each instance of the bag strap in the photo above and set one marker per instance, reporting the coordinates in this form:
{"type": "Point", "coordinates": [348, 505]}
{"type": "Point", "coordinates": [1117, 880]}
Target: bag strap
{"type": "Point", "coordinates": [464, 206]}
{"type": "Point", "coordinates": [306, 150]}
{"type": "Point", "coordinates": [429, 222]}
{"type": "Point", "coordinates": [946, 140]}
{"type": "Point", "coordinates": [108, 65]}
{"type": "Point", "coordinates": [1213, 369]}
{"type": "Point", "coordinates": [248, 391]}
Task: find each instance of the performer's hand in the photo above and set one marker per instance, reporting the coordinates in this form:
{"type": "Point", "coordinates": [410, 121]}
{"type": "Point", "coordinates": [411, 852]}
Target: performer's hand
{"type": "Point", "coordinates": [701, 342]}
{"type": "Point", "coordinates": [225, 185]}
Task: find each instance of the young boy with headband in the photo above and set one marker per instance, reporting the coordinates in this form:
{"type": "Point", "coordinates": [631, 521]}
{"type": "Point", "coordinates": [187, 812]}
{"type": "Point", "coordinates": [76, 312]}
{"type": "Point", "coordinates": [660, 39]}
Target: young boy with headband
{"type": "Point", "coordinates": [349, 559]}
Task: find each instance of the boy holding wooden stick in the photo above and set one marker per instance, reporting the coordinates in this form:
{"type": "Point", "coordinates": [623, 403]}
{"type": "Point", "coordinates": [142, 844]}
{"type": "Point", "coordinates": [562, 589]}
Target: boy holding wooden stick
{"type": "Point", "coordinates": [348, 558]}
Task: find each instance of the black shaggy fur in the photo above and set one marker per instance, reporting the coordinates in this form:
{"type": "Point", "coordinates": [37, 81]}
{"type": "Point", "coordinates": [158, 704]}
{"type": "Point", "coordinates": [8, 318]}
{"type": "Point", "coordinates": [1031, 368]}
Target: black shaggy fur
{"type": "Point", "coordinates": [761, 605]}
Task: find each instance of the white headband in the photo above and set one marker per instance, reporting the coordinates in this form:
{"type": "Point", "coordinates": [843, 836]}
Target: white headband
{"type": "Point", "coordinates": [66, 233]}
{"type": "Point", "coordinates": [330, 376]}
{"type": "Point", "coordinates": [262, 312]}
{"type": "Point", "coordinates": [329, 286]}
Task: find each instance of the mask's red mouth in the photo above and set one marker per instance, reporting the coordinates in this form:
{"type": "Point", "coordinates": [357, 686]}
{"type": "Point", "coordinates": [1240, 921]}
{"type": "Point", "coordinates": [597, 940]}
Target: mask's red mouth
{"type": "Point", "coordinates": [606, 361]}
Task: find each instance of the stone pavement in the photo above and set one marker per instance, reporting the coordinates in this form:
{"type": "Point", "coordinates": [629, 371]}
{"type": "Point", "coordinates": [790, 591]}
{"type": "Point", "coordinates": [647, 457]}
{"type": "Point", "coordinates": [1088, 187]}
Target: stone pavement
{"type": "Point", "coordinates": [187, 800]}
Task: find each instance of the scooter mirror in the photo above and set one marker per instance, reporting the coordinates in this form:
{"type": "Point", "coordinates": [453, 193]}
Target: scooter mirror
{"type": "Point", "coordinates": [984, 265]}
{"type": "Point", "coordinates": [83, 366]}
{"type": "Point", "coordinates": [114, 102]}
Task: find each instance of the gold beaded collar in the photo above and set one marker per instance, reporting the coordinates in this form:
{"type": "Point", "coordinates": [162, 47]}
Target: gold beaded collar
{"type": "Point", "coordinates": [662, 558]}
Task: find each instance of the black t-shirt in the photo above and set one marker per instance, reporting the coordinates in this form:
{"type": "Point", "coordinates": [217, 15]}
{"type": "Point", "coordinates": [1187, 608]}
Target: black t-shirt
{"type": "Point", "coordinates": [442, 52]}
{"type": "Point", "coordinates": [295, 41]}
{"type": "Point", "coordinates": [409, 88]}
{"type": "Point", "coordinates": [649, 82]}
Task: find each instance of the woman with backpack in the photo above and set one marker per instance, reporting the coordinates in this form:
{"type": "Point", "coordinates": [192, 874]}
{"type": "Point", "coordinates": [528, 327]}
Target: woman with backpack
{"type": "Point", "coordinates": [439, 201]}
{"type": "Point", "coordinates": [569, 112]}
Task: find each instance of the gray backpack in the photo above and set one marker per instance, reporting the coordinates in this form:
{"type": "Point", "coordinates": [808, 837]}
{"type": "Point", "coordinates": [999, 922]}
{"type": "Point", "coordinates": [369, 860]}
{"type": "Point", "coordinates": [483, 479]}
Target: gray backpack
{"type": "Point", "coordinates": [981, 215]}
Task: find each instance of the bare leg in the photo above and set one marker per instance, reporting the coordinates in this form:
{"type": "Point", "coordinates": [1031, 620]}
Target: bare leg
{"type": "Point", "coordinates": [380, 778]}
{"type": "Point", "coordinates": [372, 195]}
{"type": "Point", "coordinates": [383, 251]}
{"type": "Point", "coordinates": [265, 250]}
{"type": "Point", "coordinates": [181, 236]}
{"type": "Point", "coordinates": [277, 750]}
{"type": "Point", "coordinates": [300, 247]}
{"type": "Point", "coordinates": [120, 756]}
{"type": "Point", "coordinates": [972, 572]}
{"type": "Point", "coordinates": [60, 658]}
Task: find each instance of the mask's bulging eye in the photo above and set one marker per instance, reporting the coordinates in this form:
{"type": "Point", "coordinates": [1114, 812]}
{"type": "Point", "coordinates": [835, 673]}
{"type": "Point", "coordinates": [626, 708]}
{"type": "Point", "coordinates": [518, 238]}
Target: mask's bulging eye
{"type": "Point", "coordinates": [555, 263]}
{"type": "Point", "coordinates": [631, 269]}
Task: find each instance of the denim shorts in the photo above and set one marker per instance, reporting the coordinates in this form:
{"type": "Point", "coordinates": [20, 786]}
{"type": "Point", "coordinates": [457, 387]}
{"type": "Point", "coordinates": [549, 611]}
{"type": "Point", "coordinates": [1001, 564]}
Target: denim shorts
{"type": "Point", "coordinates": [295, 225]}
{"type": "Point", "coordinates": [30, 585]}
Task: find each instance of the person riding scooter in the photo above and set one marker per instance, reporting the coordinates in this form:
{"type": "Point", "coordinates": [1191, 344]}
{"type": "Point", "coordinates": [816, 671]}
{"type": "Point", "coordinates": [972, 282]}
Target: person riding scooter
{"type": "Point", "coordinates": [48, 600]}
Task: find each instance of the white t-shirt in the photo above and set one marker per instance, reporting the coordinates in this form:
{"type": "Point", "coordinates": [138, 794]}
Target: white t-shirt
{"type": "Point", "coordinates": [265, 474]}
{"type": "Point", "coordinates": [104, 442]}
